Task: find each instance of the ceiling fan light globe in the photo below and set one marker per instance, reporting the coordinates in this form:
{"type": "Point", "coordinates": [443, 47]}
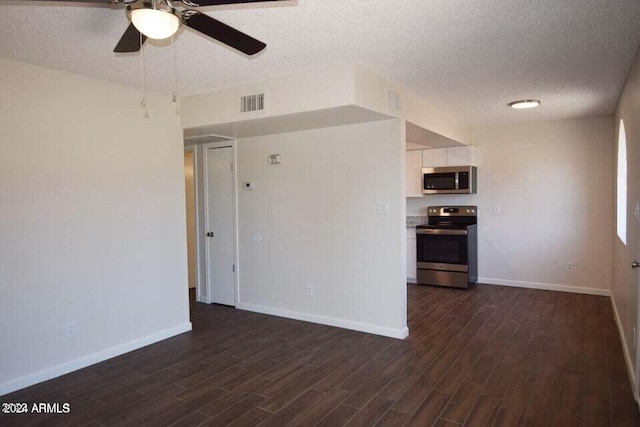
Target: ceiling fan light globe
{"type": "Point", "coordinates": [154, 23]}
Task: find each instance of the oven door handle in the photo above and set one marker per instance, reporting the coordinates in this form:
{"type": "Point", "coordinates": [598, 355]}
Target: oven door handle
{"type": "Point", "coordinates": [443, 232]}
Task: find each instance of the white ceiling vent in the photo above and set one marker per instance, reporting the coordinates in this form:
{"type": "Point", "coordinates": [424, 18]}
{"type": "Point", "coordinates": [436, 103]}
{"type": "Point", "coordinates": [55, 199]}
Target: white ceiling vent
{"type": "Point", "coordinates": [250, 103]}
{"type": "Point", "coordinates": [393, 100]}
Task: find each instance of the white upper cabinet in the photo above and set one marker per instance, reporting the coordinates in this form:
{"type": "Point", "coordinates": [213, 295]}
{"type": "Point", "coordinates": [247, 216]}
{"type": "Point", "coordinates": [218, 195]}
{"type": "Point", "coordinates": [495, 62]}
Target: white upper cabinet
{"type": "Point", "coordinates": [452, 156]}
{"type": "Point", "coordinates": [414, 173]}
{"type": "Point", "coordinates": [434, 157]}
{"type": "Point", "coordinates": [461, 156]}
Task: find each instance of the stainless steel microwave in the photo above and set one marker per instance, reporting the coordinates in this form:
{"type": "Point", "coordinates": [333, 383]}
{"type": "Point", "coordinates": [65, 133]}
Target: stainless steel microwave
{"type": "Point", "coordinates": [449, 180]}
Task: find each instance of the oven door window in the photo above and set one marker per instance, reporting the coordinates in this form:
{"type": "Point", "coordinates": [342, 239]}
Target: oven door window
{"type": "Point", "coordinates": [441, 248]}
{"type": "Point", "coordinates": [439, 181]}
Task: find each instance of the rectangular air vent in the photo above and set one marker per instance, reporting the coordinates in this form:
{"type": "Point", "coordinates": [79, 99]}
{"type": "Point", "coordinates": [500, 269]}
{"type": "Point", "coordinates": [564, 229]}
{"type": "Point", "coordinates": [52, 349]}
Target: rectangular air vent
{"type": "Point", "coordinates": [252, 103]}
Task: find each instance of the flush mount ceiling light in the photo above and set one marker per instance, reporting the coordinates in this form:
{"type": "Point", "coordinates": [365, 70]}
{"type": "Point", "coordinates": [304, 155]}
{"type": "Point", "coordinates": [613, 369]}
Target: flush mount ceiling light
{"type": "Point", "coordinates": [525, 103]}
{"type": "Point", "coordinates": [158, 22]}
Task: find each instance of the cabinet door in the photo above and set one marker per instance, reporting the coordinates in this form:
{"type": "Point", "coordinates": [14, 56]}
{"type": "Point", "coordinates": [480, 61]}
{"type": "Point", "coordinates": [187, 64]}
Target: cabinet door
{"type": "Point", "coordinates": [414, 173]}
{"type": "Point", "coordinates": [411, 256]}
{"type": "Point", "coordinates": [434, 157]}
{"type": "Point", "coordinates": [461, 156]}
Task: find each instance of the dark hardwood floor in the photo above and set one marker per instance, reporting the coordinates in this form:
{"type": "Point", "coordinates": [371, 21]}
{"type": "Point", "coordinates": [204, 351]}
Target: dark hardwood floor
{"type": "Point", "coordinates": [489, 356]}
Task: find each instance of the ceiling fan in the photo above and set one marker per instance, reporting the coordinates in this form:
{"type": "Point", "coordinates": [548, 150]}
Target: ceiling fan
{"type": "Point", "coordinates": [160, 19]}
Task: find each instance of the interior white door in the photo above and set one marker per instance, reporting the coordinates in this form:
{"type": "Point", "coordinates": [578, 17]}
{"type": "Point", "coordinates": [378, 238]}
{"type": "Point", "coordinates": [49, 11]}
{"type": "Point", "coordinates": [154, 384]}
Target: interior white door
{"type": "Point", "coordinates": [219, 226]}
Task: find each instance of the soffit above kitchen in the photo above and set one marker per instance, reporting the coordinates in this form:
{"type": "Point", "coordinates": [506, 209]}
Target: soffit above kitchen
{"type": "Point", "coordinates": [467, 58]}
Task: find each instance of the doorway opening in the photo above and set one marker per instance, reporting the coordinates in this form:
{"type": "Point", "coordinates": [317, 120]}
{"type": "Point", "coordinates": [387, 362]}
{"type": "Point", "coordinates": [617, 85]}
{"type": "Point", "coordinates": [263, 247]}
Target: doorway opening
{"type": "Point", "coordinates": [190, 204]}
{"type": "Point", "coordinates": [210, 190]}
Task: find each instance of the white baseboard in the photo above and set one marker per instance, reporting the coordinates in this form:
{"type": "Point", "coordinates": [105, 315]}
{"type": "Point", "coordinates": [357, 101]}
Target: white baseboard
{"type": "Point", "coordinates": [83, 362]}
{"type": "Point", "coordinates": [627, 357]}
{"type": "Point", "coordinates": [412, 280]}
{"type": "Point", "coordinates": [544, 286]}
{"type": "Point", "coordinates": [325, 320]}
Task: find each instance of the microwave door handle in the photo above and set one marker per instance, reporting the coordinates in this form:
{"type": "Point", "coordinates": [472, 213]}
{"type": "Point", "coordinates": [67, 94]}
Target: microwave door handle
{"type": "Point", "coordinates": [443, 232]}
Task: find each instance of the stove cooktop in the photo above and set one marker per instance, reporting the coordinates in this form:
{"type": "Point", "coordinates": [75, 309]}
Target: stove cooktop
{"type": "Point", "coordinates": [450, 217]}
{"type": "Point", "coordinates": [445, 226]}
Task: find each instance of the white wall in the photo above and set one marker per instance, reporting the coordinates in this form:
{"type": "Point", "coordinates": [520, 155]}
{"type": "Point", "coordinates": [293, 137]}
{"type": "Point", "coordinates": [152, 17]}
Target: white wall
{"type": "Point", "coordinates": [92, 222]}
{"type": "Point", "coordinates": [553, 182]}
{"type": "Point", "coordinates": [626, 280]}
{"type": "Point", "coordinates": [316, 214]}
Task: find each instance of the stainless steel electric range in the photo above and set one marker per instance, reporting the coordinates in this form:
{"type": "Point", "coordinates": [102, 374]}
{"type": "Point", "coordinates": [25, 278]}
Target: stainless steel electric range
{"type": "Point", "coordinates": [447, 251]}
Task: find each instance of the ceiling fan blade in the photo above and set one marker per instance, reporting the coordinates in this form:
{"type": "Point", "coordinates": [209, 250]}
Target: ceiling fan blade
{"type": "Point", "coordinates": [196, 3]}
{"type": "Point", "coordinates": [130, 40]}
{"type": "Point", "coordinates": [222, 32]}
{"type": "Point", "coordinates": [83, 1]}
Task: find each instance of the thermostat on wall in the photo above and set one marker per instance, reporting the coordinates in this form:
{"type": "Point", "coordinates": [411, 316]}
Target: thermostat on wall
{"type": "Point", "coordinates": [248, 185]}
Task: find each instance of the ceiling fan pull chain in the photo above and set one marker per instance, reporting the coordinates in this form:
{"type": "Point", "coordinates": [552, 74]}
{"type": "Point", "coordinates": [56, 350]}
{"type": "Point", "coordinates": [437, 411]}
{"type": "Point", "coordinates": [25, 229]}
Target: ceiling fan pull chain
{"type": "Point", "coordinates": [143, 102]}
{"type": "Point", "coordinates": [175, 70]}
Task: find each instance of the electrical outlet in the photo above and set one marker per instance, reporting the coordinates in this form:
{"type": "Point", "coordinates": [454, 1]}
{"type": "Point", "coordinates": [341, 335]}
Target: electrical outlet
{"type": "Point", "coordinates": [497, 210]}
{"type": "Point", "coordinates": [570, 266]}
{"type": "Point", "coordinates": [70, 329]}
{"type": "Point", "coordinates": [309, 290]}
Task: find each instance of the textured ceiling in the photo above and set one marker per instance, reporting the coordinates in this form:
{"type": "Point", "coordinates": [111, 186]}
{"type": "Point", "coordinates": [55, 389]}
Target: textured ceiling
{"type": "Point", "coordinates": [467, 57]}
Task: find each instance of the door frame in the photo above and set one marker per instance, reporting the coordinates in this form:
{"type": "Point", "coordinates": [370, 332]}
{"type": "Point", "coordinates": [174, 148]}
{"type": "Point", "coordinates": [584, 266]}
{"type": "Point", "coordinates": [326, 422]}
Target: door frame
{"type": "Point", "coordinates": [193, 148]}
{"type": "Point", "coordinates": [204, 288]}
{"type": "Point", "coordinates": [636, 257]}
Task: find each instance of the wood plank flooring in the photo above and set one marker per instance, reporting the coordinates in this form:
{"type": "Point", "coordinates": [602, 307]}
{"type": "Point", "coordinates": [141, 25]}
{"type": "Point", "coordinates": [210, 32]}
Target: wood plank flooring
{"type": "Point", "coordinates": [490, 356]}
